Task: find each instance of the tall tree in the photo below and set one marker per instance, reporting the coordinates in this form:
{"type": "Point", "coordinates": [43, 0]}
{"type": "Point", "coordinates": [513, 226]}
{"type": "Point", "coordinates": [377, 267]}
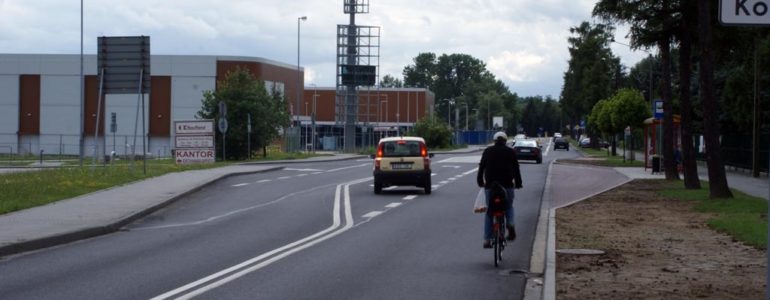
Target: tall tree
{"type": "Point", "coordinates": [651, 23]}
{"type": "Point", "coordinates": [590, 72]}
{"type": "Point", "coordinates": [717, 178]}
{"type": "Point", "coordinates": [686, 29]}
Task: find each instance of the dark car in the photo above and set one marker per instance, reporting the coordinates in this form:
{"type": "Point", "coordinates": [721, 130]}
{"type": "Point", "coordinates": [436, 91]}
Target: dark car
{"type": "Point", "coordinates": [528, 150]}
{"type": "Point", "coordinates": [560, 143]}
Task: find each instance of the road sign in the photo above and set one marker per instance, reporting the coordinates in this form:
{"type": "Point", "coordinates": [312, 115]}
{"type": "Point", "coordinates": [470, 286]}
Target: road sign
{"type": "Point", "coordinates": [194, 127]}
{"type": "Point", "coordinates": [222, 125]}
{"type": "Point", "coordinates": [657, 109]}
{"type": "Point", "coordinates": [744, 12]}
{"type": "Point", "coordinates": [114, 123]}
{"type": "Point", "coordinates": [222, 109]}
{"type": "Point", "coordinates": [194, 141]}
{"type": "Point", "coordinates": [123, 59]}
{"type": "Point", "coordinates": [185, 156]}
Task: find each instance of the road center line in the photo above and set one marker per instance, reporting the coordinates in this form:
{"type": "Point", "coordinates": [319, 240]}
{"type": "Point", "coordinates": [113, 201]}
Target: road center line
{"type": "Point", "coordinates": [284, 251]}
{"type": "Point", "coordinates": [410, 197]}
{"type": "Point", "coordinates": [372, 214]}
{"type": "Point", "coordinates": [240, 184]}
{"type": "Point", "coordinates": [264, 180]}
{"type": "Point", "coordinates": [394, 204]}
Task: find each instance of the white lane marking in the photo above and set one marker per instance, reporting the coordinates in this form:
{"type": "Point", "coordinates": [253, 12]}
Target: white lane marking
{"type": "Point", "coordinates": [366, 159]}
{"type": "Point", "coordinates": [240, 184]}
{"type": "Point", "coordinates": [394, 204]}
{"type": "Point", "coordinates": [453, 167]}
{"type": "Point", "coordinates": [284, 177]}
{"type": "Point", "coordinates": [444, 182]}
{"type": "Point", "coordinates": [452, 179]}
{"type": "Point", "coordinates": [391, 188]}
{"type": "Point", "coordinates": [472, 159]}
{"type": "Point", "coordinates": [264, 180]}
{"type": "Point", "coordinates": [356, 166]}
{"type": "Point", "coordinates": [302, 170]}
{"type": "Point", "coordinates": [435, 186]}
{"type": "Point", "coordinates": [433, 174]}
{"type": "Point", "coordinates": [301, 175]}
{"type": "Point", "coordinates": [372, 214]}
{"type": "Point", "coordinates": [316, 173]}
{"type": "Point", "coordinates": [314, 239]}
{"type": "Point", "coordinates": [548, 147]}
{"type": "Point", "coordinates": [470, 171]}
{"type": "Point", "coordinates": [410, 197]}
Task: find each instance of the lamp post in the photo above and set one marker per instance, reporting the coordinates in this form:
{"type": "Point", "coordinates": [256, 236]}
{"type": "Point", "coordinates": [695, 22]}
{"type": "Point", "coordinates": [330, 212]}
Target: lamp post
{"type": "Point", "coordinates": [299, 74]}
{"type": "Point", "coordinates": [313, 117]}
{"type": "Point", "coordinates": [466, 116]}
{"type": "Point", "coordinates": [449, 103]}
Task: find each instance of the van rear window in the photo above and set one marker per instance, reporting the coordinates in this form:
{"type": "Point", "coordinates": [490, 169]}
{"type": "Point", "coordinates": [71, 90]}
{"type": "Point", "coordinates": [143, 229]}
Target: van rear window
{"type": "Point", "coordinates": [400, 148]}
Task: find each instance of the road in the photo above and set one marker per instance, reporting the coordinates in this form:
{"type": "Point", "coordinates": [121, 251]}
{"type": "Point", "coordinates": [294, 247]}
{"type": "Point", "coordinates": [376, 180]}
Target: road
{"type": "Point", "coordinates": [309, 231]}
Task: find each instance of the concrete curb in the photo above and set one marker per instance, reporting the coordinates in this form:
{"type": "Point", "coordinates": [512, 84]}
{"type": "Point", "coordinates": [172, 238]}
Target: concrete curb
{"type": "Point", "coordinates": [535, 285]}
{"type": "Point", "coordinates": [95, 231]}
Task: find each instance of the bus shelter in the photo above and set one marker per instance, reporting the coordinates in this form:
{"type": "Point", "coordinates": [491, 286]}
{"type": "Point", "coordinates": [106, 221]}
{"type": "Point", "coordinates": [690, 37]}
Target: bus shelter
{"type": "Point", "coordinates": [653, 142]}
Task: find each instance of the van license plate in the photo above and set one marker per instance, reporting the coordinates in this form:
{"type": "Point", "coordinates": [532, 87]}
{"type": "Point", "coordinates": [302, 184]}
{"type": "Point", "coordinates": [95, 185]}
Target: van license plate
{"type": "Point", "coordinates": [401, 166]}
{"type": "Point", "coordinates": [524, 150]}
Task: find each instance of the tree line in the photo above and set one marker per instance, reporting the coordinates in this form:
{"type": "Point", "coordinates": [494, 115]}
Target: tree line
{"type": "Point", "coordinates": [700, 70]}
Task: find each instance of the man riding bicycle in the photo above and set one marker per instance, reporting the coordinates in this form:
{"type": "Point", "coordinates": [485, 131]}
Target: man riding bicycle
{"type": "Point", "coordinates": [499, 165]}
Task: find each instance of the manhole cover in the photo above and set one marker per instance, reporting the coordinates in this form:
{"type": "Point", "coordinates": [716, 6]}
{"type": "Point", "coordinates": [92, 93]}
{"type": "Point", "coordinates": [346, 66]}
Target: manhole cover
{"type": "Point", "coordinates": [580, 251]}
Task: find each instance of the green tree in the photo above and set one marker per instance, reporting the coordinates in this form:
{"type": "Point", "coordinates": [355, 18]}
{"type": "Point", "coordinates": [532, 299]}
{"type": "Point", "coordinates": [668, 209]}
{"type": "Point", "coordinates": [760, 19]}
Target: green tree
{"type": "Point", "coordinates": [245, 95]}
{"type": "Point", "coordinates": [590, 72]}
{"type": "Point", "coordinates": [435, 132]}
{"type": "Point", "coordinates": [628, 109]}
{"type": "Point", "coordinates": [391, 82]}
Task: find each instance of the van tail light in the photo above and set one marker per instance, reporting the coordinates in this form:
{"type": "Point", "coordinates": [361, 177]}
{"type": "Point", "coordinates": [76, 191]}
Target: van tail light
{"type": "Point", "coordinates": [378, 158]}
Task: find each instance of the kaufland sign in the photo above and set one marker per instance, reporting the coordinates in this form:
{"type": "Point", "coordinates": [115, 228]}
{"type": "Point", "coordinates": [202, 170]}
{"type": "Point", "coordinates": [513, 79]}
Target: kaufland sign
{"type": "Point", "coordinates": [744, 12]}
{"type": "Point", "coordinates": [194, 141]}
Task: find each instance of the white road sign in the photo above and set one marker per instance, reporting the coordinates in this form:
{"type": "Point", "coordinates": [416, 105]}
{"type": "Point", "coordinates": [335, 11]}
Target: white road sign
{"type": "Point", "coordinates": [194, 141]}
{"type": "Point", "coordinates": [194, 127]}
{"type": "Point", "coordinates": [187, 156]}
{"type": "Point", "coordinates": [744, 12]}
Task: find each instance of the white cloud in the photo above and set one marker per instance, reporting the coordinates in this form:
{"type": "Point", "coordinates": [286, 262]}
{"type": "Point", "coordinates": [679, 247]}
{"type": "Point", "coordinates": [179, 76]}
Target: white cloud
{"type": "Point", "coordinates": [515, 66]}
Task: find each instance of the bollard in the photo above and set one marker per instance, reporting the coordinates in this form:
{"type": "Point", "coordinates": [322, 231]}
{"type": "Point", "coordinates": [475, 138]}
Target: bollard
{"type": "Point", "coordinates": [41, 157]}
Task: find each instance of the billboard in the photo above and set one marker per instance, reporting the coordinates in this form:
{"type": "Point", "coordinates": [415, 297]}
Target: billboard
{"type": "Point", "coordinates": [194, 141]}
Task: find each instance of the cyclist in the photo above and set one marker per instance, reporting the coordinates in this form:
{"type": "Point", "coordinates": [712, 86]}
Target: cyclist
{"type": "Point", "coordinates": [499, 164]}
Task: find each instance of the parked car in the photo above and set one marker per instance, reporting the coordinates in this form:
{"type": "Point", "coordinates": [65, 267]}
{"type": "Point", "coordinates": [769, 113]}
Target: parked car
{"type": "Point", "coordinates": [560, 143]}
{"type": "Point", "coordinates": [402, 161]}
{"type": "Point", "coordinates": [586, 142]}
{"type": "Point", "coordinates": [528, 150]}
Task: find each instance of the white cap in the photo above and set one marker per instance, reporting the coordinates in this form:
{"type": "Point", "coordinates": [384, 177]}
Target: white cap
{"type": "Point", "coordinates": [499, 135]}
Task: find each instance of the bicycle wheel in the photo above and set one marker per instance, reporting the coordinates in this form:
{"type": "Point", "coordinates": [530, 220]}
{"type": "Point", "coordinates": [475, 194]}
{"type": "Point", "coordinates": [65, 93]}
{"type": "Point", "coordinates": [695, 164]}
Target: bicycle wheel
{"type": "Point", "coordinates": [497, 245]}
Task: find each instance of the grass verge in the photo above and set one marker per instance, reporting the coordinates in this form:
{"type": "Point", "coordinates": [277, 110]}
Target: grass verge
{"type": "Point", "coordinates": [609, 160]}
{"type": "Point", "coordinates": [743, 217]}
{"type": "Point", "coordinates": [29, 189]}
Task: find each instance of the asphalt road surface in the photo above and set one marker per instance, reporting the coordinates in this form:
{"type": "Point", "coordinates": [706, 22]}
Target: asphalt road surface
{"type": "Point", "coordinates": [309, 231]}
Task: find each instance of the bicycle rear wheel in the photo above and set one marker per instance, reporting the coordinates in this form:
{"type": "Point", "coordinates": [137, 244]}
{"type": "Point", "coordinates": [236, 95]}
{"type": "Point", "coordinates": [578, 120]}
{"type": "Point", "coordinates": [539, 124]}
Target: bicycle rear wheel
{"type": "Point", "coordinates": [499, 239]}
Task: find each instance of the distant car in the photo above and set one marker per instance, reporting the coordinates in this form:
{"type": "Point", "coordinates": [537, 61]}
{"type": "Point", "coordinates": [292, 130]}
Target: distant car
{"type": "Point", "coordinates": [557, 135]}
{"type": "Point", "coordinates": [518, 137]}
{"type": "Point", "coordinates": [585, 143]}
{"type": "Point", "coordinates": [402, 161]}
{"type": "Point", "coordinates": [560, 143]}
{"type": "Point", "coordinates": [528, 150]}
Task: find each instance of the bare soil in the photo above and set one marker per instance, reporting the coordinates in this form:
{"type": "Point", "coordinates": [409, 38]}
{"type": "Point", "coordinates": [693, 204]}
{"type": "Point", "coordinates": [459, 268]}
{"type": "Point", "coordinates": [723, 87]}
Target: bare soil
{"type": "Point", "coordinates": [655, 248]}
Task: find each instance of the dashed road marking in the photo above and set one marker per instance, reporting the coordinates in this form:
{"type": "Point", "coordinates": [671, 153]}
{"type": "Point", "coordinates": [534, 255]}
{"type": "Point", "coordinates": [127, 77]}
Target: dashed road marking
{"type": "Point", "coordinates": [372, 214]}
{"type": "Point", "coordinates": [284, 177]}
{"type": "Point", "coordinates": [410, 197]}
{"type": "Point", "coordinates": [264, 180]}
{"type": "Point", "coordinates": [391, 188]}
{"type": "Point", "coordinates": [301, 175]}
{"type": "Point", "coordinates": [394, 204]}
{"type": "Point", "coordinates": [240, 184]}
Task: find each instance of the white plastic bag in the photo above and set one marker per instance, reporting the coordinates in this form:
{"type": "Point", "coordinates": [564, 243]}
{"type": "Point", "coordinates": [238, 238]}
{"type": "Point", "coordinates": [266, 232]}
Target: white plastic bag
{"type": "Point", "coordinates": [481, 202]}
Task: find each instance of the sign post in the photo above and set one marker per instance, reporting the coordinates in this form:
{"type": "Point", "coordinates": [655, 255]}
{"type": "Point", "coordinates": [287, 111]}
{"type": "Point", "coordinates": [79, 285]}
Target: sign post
{"type": "Point", "coordinates": [222, 125]}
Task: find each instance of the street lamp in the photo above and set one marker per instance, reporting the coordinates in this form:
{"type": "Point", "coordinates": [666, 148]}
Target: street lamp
{"type": "Point", "coordinates": [299, 74]}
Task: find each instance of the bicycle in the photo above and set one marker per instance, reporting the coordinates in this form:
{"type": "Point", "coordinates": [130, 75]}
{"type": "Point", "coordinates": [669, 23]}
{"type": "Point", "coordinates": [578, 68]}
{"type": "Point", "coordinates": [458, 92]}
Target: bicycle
{"type": "Point", "coordinates": [497, 208]}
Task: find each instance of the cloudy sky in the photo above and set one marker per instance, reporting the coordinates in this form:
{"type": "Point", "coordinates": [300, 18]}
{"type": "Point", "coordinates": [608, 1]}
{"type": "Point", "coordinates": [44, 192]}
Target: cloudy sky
{"type": "Point", "coordinates": [524, 43]}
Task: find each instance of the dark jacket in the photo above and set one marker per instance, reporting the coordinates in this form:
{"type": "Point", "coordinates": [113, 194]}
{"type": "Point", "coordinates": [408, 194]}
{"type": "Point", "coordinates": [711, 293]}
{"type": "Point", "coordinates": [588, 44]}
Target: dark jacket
{"type": "Point", "coordinates": [499, 163]}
